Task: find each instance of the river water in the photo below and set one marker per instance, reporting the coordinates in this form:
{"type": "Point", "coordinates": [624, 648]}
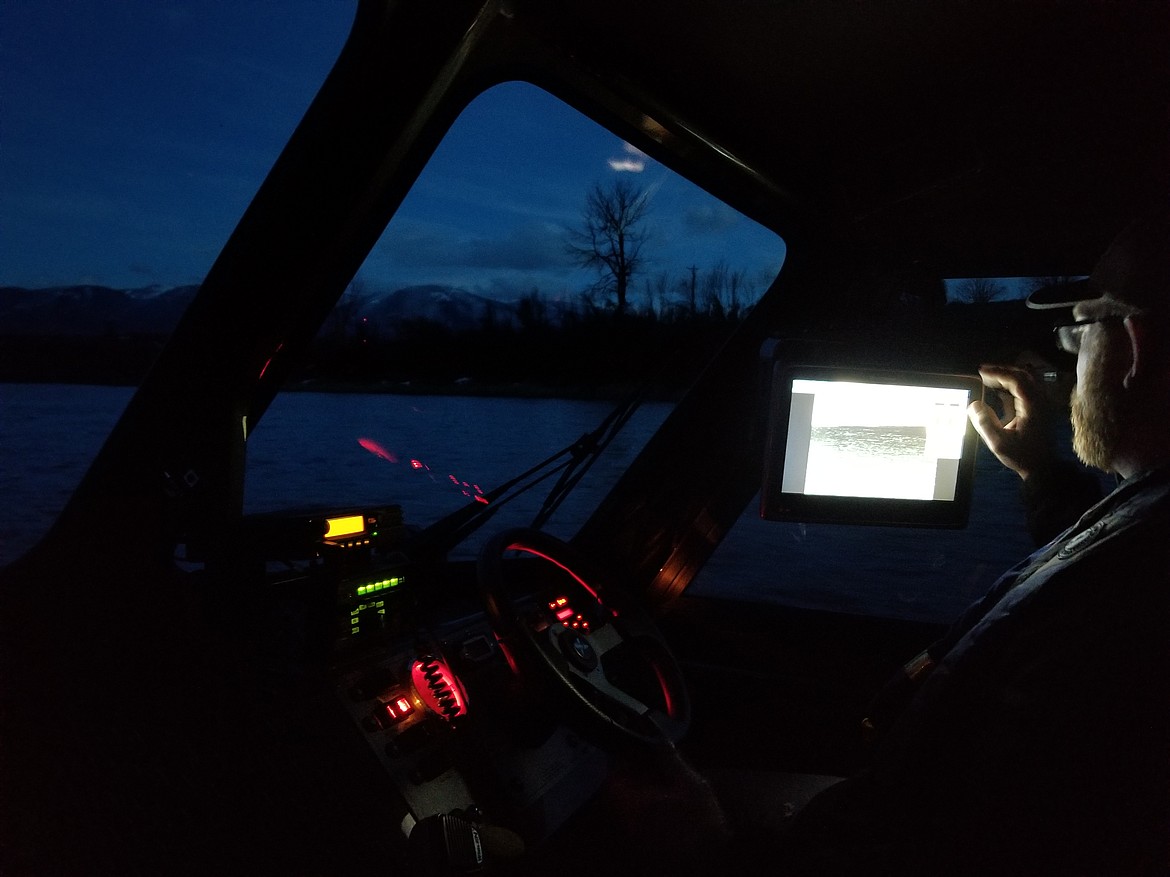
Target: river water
{"type": "Point", "coordinates": [430, 454]}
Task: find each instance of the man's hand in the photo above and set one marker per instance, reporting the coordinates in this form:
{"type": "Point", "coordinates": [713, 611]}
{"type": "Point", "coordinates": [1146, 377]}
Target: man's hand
{"type": "Point", "coordinates": [1021, 440]}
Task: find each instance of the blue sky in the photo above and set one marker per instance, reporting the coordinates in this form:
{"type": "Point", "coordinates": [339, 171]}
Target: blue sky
{"type": "Point", "coordinates": [133, 135]}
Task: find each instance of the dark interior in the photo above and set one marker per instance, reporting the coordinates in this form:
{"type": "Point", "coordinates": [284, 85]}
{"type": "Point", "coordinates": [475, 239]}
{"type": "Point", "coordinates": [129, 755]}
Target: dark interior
{"type": "Point", "coordinates": [147, 729]}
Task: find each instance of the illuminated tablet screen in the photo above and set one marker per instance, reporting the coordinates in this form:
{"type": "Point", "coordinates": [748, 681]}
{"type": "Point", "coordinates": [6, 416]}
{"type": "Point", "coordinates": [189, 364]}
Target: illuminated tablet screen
{"type": "Point", "coordinates": [873, 447]}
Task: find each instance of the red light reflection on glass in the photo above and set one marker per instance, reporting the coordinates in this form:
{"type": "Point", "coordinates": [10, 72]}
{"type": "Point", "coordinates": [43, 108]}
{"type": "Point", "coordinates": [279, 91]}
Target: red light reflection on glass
{"type": "Point", "coordinates": [467, 488]}
{"type": "Point", "coordinates": [268, 361]}
{"type": "Point", "coordinates": [471, 491]}
{"type": "Point", "coordinates": [376, 449]}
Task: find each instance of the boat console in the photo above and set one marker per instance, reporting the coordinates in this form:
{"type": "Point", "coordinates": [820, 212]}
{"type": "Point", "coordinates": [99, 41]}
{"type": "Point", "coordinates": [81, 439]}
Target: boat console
{"type": "Point", "coordinates": [490, 693]}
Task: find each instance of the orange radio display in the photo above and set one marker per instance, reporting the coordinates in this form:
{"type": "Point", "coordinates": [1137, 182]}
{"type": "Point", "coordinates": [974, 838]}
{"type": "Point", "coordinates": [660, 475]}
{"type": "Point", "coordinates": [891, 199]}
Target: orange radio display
{"type": "Point", "coordinates": [347, 525]}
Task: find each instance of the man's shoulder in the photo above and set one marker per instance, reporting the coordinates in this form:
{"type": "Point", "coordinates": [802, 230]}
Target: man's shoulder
{"type": "Point", "coordinates": [1138, 509]}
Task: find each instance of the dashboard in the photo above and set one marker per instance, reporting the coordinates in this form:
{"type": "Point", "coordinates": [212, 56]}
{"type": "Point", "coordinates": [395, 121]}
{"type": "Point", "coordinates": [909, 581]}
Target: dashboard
{"type": "Point", "coordinates": [416, 662]}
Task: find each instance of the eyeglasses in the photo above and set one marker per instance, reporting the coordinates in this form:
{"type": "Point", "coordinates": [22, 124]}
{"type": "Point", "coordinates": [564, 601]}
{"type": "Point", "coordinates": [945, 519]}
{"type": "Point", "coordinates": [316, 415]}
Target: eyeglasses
{"type": "Point", "coordinates": [1068, 335]}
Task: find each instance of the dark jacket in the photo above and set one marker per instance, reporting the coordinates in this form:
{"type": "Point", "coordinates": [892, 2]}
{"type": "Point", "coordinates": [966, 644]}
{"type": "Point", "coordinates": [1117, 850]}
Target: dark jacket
{"type": "Point", "coordinates": [1040, 741]}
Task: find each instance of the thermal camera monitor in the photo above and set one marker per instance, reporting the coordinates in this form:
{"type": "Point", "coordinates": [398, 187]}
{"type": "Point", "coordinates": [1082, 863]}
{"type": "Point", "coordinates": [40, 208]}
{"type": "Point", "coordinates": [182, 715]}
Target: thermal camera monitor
{"type": "Point", "coordinates": [875, 447]}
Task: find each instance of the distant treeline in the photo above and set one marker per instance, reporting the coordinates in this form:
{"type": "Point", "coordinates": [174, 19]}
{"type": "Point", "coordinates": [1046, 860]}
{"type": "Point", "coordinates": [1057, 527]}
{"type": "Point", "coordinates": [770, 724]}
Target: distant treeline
{"type": "Point", "coordinates": [116, 360]}
{"type": "Point", "coordinates": [598, 353]}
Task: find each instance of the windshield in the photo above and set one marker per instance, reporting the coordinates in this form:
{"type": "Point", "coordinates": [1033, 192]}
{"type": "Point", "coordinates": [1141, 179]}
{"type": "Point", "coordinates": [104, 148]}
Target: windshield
{"type": "Point", "coordinates": [541, 272]}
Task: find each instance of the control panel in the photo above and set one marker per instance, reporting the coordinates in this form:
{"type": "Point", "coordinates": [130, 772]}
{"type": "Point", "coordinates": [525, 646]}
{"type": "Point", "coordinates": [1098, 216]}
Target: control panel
{"type": "Point", "coordinates": [446, 720]}
{"type": "Point", "coordinates": [411, 705]}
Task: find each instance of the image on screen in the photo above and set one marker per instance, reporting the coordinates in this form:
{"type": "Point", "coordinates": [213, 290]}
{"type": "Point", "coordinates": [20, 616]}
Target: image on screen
{"type": "Point", "coordinates": [888, 441]}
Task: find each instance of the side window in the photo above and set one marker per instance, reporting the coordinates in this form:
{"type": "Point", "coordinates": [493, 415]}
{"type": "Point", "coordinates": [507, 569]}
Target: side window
{"type": "Point", "coordinates": [894, 572]}
{"type": "Point", "coordinates": [134, 137]}
{"type": "Point", "coordinates": [541, 272]}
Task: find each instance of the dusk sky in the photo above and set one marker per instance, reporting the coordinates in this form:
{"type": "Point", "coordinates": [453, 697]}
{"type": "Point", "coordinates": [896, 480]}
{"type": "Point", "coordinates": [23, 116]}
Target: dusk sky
{"type": "Point", "coordinates": [134, 133]}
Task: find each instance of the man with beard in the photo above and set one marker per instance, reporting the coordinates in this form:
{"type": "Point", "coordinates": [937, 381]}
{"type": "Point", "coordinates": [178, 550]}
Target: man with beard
{"type": "Point", "coordinates": [1034, 738]}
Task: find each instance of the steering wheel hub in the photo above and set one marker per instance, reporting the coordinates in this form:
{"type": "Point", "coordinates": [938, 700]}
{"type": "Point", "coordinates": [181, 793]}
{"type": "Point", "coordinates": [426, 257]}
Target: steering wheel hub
{"type": "Point", "coordinates": [576, 647]}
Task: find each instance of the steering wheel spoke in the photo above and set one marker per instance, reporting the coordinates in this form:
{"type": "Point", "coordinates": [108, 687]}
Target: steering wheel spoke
{"type": "Point", "coordinates": [601, 684]}
{"type": "Point", "coordinates": [605, 639]}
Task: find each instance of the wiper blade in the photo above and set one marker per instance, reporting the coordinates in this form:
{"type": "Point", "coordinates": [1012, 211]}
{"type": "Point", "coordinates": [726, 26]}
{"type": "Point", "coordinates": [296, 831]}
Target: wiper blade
{"type": "Point", "coordinates": [447, 532]}
{"type": "Point", "coordinates": [585, 452]}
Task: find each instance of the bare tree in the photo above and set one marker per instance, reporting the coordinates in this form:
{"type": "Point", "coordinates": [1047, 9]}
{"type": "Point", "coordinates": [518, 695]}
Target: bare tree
{"type": "Point", "coordinates": [980, 290]}
{"type": "Point", "coordinates": [658, 293]}
{"type": "Point", "coordinates": [690, 290]}
{"type": "Point", "coordinates": [611, 235]}
{"type": "Point", "coordinates": [715, 285]}
{"type": "Point", "coordinates": [736, 284]}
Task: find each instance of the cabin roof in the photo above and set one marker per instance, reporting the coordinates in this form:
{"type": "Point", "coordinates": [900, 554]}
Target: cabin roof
{"type": "Point", "coordinates": [1005, 137]}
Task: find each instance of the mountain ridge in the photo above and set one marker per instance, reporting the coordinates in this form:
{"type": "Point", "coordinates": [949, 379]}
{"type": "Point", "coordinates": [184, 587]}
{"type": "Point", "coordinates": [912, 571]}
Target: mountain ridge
{"type": "Point", "coordinates": [91, 310]}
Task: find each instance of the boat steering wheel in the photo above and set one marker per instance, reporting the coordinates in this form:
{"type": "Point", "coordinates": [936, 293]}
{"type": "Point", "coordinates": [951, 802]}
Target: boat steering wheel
{"type": "Point", "coordinates": [601, 648]}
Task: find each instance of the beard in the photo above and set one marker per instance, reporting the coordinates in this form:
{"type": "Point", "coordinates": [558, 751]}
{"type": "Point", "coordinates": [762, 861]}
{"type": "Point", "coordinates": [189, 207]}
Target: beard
{"type": "Point", "coordinates": [1098, 417]}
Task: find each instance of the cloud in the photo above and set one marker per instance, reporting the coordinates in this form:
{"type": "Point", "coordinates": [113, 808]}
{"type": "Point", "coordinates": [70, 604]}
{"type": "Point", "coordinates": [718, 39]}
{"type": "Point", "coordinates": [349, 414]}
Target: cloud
{"type": "Point", "coordinates": [527, 246]}
{"type": "Point", "coordinates": [710, 218]}
{"type": "Point", "coordinates": [531, 246]}
{"type": "Point", "coordinates": [414, 244]}
{"type": "Point", "coordinates": [511, 287]}
{"type": "Point", "coordinates": [634, 160]}
{"type": "Point", "coordinates": [631, 165]}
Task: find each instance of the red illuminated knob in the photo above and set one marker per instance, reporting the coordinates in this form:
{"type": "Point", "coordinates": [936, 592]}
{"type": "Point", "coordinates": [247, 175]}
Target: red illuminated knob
{"type": "Point", "coordinates": [438, 687]}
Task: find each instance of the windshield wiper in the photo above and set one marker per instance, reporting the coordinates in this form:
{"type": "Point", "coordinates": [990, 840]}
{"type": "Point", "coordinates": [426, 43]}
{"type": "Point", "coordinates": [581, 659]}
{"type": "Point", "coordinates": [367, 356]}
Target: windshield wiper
{"type": "Point", "coordinates": [447, 532]}
{"type": "Point", "coordinates": [584, 453]}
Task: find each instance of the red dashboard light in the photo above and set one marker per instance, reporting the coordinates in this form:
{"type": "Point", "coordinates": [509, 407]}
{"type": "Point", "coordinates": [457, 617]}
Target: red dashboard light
{"type": "Point", "coordinates": [567, 615]}
{"type": "Point", "coordinates": [398, 709]}
{"type": "Point", "coordinates": [520, 546]}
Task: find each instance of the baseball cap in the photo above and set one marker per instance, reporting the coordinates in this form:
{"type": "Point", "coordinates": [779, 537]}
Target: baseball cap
{"type": "Point", "coordinates": [1135, 270]}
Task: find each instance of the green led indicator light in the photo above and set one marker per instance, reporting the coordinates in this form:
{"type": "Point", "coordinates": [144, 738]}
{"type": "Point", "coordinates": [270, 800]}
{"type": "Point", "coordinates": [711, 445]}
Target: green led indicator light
{"type": "Point", "coordinates": [383, 585]}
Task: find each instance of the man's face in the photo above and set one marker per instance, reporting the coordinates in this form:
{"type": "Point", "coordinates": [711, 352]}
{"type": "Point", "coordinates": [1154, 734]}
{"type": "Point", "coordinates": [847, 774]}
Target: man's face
{"type": "Point", "coordinates": [1099, 412]}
